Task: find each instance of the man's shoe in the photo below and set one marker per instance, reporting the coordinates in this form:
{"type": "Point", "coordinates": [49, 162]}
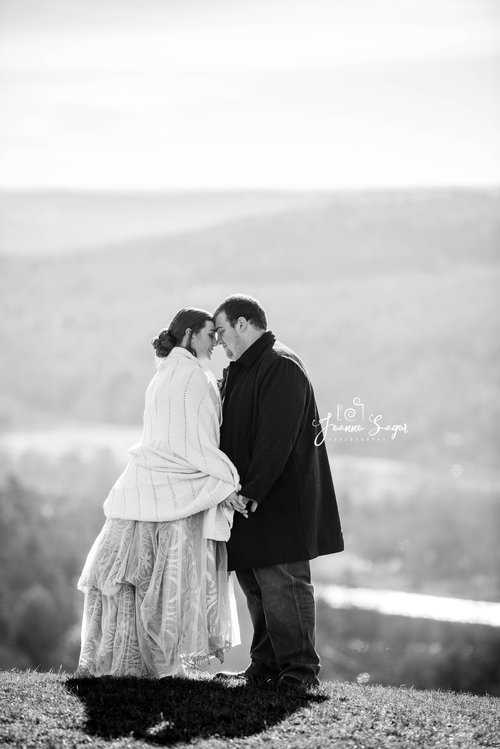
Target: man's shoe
{"type": "Point", "coordinates": [290, 684]}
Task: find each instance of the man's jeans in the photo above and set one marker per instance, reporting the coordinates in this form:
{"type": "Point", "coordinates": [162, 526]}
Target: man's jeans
{"type": "Point", "coordinates": [281, 604]}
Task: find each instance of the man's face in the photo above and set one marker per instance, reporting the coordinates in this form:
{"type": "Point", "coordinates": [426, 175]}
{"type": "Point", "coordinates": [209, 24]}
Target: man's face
{"type": "Point", "coordinates": [230, 338]}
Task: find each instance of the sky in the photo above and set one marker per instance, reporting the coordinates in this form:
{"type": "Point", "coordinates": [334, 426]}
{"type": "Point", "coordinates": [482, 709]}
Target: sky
{"type": "Point", "coordinates": [273, 94]}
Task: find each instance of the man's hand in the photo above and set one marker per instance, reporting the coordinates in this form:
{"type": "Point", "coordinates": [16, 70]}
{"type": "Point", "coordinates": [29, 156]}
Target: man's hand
{"type": "Point", "coordinates": [251, 504]}
{"type": "Point", "coordinates": [237, 503]}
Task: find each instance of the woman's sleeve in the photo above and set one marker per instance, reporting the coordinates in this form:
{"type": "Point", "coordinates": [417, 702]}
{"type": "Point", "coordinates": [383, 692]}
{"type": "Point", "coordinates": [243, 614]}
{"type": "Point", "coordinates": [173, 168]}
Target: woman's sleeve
{"type": "Point", "coordinates": [195, 438]}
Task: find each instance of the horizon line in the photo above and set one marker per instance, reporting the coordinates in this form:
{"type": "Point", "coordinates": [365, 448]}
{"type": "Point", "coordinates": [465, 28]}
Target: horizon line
{"type": "Point", "coordinates": [464, 187]}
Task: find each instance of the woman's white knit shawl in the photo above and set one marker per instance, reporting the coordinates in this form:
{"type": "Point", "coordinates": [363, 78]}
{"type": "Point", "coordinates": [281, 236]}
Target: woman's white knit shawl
{"type": "Point", "coordinates": [177, 469]}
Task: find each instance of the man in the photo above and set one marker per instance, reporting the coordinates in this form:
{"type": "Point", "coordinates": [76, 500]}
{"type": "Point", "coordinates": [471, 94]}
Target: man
{"type": "Point", "coordinates": [268, 432]}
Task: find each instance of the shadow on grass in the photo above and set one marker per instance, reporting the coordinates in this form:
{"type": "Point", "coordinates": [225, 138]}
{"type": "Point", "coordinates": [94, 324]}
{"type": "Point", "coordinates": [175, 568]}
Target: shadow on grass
{"type": "Point", "coordinates": [175, 710]}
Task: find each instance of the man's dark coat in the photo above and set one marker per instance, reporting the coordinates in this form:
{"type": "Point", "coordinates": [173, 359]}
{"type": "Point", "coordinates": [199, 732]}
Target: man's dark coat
{"type": "Point", "coordinates": [268, 432]}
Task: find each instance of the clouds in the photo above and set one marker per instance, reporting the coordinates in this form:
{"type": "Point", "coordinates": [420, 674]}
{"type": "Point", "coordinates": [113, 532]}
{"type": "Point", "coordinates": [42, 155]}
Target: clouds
{"type": "Point", "coordinates": [302, 94]}
{"type": "Point", "coordinates": [220, 36]}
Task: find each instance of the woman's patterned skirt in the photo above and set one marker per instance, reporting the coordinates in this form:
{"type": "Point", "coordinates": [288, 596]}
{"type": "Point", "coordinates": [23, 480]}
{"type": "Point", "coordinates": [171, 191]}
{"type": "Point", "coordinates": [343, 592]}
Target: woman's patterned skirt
{"type": "Point", "coordinates": [158, 600]}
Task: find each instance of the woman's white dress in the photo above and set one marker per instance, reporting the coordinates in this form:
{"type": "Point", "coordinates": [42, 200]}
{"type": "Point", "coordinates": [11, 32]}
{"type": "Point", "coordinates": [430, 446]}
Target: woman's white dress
{"type": "Point", "coordinates": [158, 598]}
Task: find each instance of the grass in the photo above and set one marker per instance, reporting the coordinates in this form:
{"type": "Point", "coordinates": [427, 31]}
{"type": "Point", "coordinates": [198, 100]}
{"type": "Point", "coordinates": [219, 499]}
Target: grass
{"type": "Point", "coordinates": [58, 710]}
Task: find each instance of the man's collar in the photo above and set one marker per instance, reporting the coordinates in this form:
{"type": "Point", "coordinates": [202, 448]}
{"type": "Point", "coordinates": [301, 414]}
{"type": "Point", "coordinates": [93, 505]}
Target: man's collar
{"type": "Point", "coordinates": [248, 357]}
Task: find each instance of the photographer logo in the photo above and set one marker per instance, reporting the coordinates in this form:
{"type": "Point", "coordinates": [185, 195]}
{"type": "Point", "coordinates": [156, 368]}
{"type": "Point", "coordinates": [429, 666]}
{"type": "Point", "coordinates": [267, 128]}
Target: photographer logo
{"type": "Point", "coordinates": [351, 425]}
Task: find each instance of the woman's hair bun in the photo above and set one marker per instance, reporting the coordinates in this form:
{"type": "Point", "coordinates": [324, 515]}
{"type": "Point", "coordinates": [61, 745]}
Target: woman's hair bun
{"type": "Point", "coordinates": [164, 343]}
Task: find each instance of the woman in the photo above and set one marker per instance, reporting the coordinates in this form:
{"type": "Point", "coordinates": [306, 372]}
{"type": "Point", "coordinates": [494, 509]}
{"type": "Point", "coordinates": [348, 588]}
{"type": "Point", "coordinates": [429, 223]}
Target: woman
{"type": "Point", "coordinates": [157, 597]}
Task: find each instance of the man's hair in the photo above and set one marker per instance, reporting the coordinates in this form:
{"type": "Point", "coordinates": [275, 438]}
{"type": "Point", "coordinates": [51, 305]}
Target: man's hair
{"type": "Point", "coordinates": [241, 305]}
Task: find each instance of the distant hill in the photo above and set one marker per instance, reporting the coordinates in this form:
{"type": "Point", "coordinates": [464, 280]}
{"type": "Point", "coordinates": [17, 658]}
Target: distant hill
{"type": "Point", "coordinates": [350, 232]}
{"type": "Point", "coordinates": [39, 223]}
{"type": "Point", "coordinates": [389, 297]}
{"type": "Point", "coordinates": [348, 235]}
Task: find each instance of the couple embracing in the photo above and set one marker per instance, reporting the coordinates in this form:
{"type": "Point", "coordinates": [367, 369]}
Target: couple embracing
{"type": "Point", "coordinates": [226, 477]}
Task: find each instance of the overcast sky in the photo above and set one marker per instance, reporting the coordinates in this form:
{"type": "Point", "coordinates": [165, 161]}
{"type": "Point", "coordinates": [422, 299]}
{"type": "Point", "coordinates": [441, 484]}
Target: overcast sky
{"type": "Point", "coordinates": [152, 94]}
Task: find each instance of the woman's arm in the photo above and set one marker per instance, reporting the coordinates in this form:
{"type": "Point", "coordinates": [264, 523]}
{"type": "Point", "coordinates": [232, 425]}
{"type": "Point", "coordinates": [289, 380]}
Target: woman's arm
{"type": "Point", "coordinates": [194, 434]}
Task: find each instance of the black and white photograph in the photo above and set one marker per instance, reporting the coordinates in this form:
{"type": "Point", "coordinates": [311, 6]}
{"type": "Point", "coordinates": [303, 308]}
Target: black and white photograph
{"type": "Point", "coordinates": [250, 374]}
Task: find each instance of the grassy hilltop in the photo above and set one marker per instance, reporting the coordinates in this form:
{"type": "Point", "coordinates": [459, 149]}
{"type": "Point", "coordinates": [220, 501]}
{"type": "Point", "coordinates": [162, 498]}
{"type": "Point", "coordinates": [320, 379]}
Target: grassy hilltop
{"type": "Point", "coordinates": [57, 710]}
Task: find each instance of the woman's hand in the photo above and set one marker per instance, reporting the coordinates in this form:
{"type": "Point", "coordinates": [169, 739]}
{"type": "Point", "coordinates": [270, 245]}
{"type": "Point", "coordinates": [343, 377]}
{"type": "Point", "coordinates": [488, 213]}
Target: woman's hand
{"type": "Point", "coordinates": [236, 503]}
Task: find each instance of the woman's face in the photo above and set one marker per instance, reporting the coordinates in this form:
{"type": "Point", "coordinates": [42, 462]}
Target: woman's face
{"type": "Point", "coordinates": [204, 342]}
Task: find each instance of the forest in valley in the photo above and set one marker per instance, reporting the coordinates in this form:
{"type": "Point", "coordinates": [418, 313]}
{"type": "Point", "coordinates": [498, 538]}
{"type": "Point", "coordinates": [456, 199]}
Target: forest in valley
{"type": "Point", "coordinates": [428, 543]}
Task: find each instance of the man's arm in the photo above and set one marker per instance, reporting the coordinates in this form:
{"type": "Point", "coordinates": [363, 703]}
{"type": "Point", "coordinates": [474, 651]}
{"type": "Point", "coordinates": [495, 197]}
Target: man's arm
{"type": "Point", "coordinates": [281, 402]}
